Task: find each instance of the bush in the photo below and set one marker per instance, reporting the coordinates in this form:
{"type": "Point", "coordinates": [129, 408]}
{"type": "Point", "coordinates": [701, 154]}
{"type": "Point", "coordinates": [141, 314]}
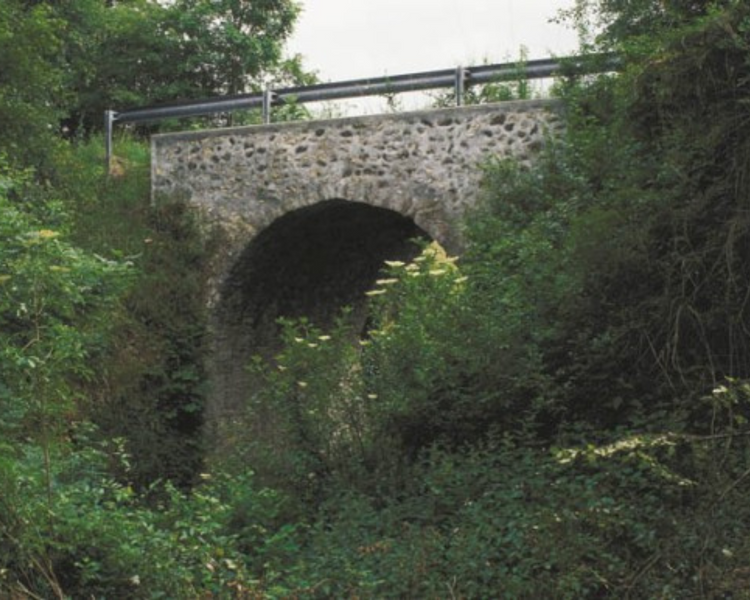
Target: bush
{"type": "Point", "coordinates": [150, 378]}
{"type": "Point", "coordinates": [98, 538]}
{"type": "Point", "coordinates": [334, 405]}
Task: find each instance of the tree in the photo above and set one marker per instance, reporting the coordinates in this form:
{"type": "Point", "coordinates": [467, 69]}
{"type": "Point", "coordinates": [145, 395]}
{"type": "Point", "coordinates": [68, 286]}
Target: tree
{"type": "Point", "coordinates": [227, 44]}
{"type": "Point", "coordinates": [621, 21]}
{"type": "Point", "coordinates": [142, 52]}
{"type": "Point", "coordinates": [66, 62]}
{"type": "Point", "coordinates": [31, 80]}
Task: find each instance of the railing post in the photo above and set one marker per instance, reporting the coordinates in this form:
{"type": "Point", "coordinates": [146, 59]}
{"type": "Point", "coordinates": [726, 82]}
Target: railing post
{"type": "Point", "coordinates": [109, 119]}
{"type": "Point", "coordinates": [460, 85]}
{"type": "Point", "coordinates": [267, 103]}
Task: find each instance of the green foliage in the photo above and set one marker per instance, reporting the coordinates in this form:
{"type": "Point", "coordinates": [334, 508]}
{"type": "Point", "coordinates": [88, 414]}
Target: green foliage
{"type": "Point", "coordinates": [149, 382]}
{"type": "Point", "coordinates": [117, 55]}
{"type": "Point", "coordinates": [62, 64]}
{"type": "Point", "coordinates": [118, 341]}
{"type": "Point", "coordinates": [632, 24]}
{"type": "Point", "coordinates": [562, 413]}
{"type": "Point", "coordinates": [71, 523]}
{"type": "Point", "coordinates": [31, 81]}
{"type": "Point", "coordinates": [99, 539]}
{"type": "Point", "coordinates": [335, 406]}
{"type": "Point", "coordinates": [431, 364]}
{"type": "Point", "coordinates": [642, 515]}
{"type": "Point", "coordinates": [127, 350]}
{"type": "Point", "coordinates": [621, 252]}
{"type": "Point", "coordinates": [154, 374]}
{"type": "Point", "coordinates": [52, 298]}
{"type": "Point", "coordinates": [238, 37]}
{"type": "Point", "coordinates": [146, 52]}
{"type": "Point", "coordinates": [554, 425]}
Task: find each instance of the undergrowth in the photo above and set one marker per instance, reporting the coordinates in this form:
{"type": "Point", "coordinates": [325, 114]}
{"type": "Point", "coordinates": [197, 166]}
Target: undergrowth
{"type": "Point", "coordinates": [562, 412]}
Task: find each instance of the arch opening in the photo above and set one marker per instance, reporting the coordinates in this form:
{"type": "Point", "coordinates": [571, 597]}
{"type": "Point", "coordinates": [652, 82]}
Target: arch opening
{"type": "Point", "coordinates": [308, 263]}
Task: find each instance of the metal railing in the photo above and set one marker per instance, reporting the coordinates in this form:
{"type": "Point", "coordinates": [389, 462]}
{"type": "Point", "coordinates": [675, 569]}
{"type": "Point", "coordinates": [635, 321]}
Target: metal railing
{"type": "Point", "coordinates": [459, 79]}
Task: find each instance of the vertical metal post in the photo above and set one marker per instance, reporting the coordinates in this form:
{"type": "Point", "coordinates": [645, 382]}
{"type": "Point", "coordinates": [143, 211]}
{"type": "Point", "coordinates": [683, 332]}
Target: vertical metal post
{"type": "Point", "coordinates": [109, 119]}
{"type": "Point", "coordinates": [267, 102]}
{"type": "Point", "coordinates": [460, 85]}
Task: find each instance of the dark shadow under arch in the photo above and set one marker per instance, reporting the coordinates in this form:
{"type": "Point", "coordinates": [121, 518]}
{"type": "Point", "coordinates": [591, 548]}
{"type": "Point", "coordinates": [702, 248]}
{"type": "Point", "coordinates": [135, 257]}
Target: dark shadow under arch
{"type": "Point", "coordinates": [308, 263]}
{"type": "Point", "coordinates": [315, 260]}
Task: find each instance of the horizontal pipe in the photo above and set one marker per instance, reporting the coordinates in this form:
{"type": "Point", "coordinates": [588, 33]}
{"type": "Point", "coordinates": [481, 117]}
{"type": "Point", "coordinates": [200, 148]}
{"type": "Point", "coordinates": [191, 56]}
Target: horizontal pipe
{"type": "Point", "coordinates": [411, 82]}
{"type": "Point", "coordinates": [203, 107]}
{"type": "Point", "coordinates": [368, 88]}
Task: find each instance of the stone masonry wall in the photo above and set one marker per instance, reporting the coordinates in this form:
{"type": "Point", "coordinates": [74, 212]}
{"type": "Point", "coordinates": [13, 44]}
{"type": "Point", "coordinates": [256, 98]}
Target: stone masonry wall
{"type": "Point", "coordinates": [422, 165]}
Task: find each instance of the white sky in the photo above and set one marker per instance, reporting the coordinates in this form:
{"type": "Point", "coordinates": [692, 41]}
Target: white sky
{"type": "Point", "coordinates": [353, 39]}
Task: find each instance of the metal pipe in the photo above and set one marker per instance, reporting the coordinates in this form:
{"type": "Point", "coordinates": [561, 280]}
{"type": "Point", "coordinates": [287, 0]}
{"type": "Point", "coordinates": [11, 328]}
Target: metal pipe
{"type": "Point", "coordinates": [109, 119]}
{"type": "Point", "coordinates": [268, 98]}
{"type": "Point", "coordinates": [367, 88]}
{"type": "Point", "coordinates": [203, 107]}
{"type": "Point", "coordinates": [458, 78]}
{"type": "Point", "coordinates": [460, 84]}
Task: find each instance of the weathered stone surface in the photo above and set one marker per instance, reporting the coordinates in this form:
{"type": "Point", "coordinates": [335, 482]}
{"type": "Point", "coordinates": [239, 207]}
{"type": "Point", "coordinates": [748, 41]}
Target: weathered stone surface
{"type": "Point", "coordinates": [422, 165]}
{"type": "Point", "coordinates": [424, 168]}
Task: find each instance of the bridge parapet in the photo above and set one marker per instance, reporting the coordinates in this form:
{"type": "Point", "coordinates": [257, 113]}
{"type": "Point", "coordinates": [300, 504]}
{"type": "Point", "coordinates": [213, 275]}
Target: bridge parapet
{"type": "Point", "coordinates": [423, 165]}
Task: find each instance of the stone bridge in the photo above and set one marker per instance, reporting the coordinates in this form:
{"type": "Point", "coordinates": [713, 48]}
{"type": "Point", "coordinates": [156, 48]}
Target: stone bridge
{"type": "Point", "coordinates": [309, 211]}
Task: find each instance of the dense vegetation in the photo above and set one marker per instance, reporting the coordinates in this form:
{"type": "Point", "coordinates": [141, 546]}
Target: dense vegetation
{"type": "Point", "coordinates": [563, 412]}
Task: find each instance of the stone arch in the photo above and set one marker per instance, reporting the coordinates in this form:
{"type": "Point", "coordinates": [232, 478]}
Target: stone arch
{"type": "Point", "coordinates": [310, 262]}
{"type": "Point", "coordinates": [250, 183]}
